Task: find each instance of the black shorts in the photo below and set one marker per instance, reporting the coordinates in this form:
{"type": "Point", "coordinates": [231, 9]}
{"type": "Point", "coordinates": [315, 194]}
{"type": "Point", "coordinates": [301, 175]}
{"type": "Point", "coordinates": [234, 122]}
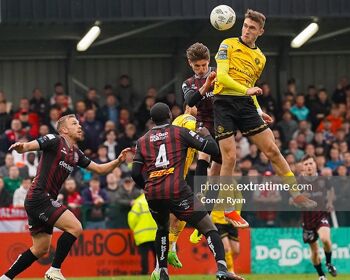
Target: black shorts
{"type": "Point", "coordinates": [182, 208]}
{"type": "Point", "coordinates": [43, 212]}
{"type": "Point", "coordinates": [232, 113]}
{"type": "Point", "coordinates": [228, 230]}
{"type": "Point", "coordinates": [310, 235]}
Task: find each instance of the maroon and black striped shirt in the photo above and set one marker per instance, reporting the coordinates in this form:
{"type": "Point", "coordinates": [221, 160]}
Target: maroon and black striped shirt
{"type": "Point", "coordinates": [57, 162]}
{"type": "Point", "coordinates": [205, 113]}
{"type": "Point", "coordinates": [162, 151]}
{"type": "Point", "coordinates": [320, 187]}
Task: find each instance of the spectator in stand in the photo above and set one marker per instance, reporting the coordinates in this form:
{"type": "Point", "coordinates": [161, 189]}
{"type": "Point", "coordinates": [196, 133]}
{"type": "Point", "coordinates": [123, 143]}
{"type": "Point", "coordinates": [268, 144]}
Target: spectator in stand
{"type": "Point", "coordinates": [291, 91]}
{"type": "Point", "coordinates": [320, 162]}
{"type": "Point", "coordinates": [112, 214]}
{"type": "Point", "coordinates": [4, 169]}
{"type": "Point", "coordinates": [110, 111]}
{"type": "Point", "coordinates": [339, 94]}
{"type": "Point", "coordinates": [114, 147]}
{"type": "Point", "coordinates": [92, 129]}
{"type": "Point", "coordinates": [263, 164]}
{"type": "Point", "coordinates": [176, 111]}
{"type": "Point", "coordinates": [8, 104]}
{"type": "Point", "coordinates": [39, 104]}
{"type": "Point", "coordinates": [170, 99]}
{"type": "Point", "coordinates": [301, 141]}
{"type": "Point", "coordinates": [80, 109]}
{"type": "Point", "coordinates": [334, 159]}
{"type": "Point", "coordinates": [310, 150]}
{"type": "Point", "coordinates": [54, 115]}
{"type": "Point", "coordinates": [304, 127]}
{"type": "Point", "coordinates": [152, 91]}
{"type": "Point", "coordinates": [129, 138]}
{"type": "Point", "coordinates": [107, 90]}
{"type": "Point", "coordinates": [320, 108]}
{"type": "Point", "coordinates": [311, 96]}
{"type": "Point", "coordinates": [102, 157]}
{"type": "Point", "coordinates": [5, 196]}
{"type": "Point", "coordinates": [43, 130]}
{"type": "Point", "coordinates": [5, 117]}
{"type": "Point", "coordinates": [95, 201]}
{"type": "Point", "coordinates": [127, 195]}
{"type": "Point", "coordinates": [144, 228]}
{"type": "Point", "coordinates": [299, 110]}
{"type": "Point", "coordinates": [125, 92]}
{"type": "Point", "coordinates": [253, 155]}
{"type": "Point", "coordinates": [346, 161]}
{"type": "Point", "coordinates": [335, 120]}
{"type": "Point", "coordinates": [243, 143]}
{"type": "Point", "coordinates": [287, 126]}
{"type": "Point", "coordinates": [13, 181]}
{"type": "Point", "coordinates": [61, 102]}
{"type": "Point", "coordinates": [59, 90]}
{"type": "Point", "coordinates": [21, 193]}
{"type": "Point", "coordinates": [118, 173]}
{"type": "Point", "coordinates": [32, 164]}
{"type": "Point", "coordinates": [31, 128]}
{"type": "Point", "coordinates": [143, 112]}
{"type": "Point", "coordinates": [13, 134]}
{"type": "Point", "coordinates": [124, 119]}
{"type": "Point", "coordinates": [293, 149]}
{"type": "Point", "coordinates": [91, 99]}
{"type": "Point", "coordinates": [70, 197]}
{"type": "Point", "coordinates": [266, 100]}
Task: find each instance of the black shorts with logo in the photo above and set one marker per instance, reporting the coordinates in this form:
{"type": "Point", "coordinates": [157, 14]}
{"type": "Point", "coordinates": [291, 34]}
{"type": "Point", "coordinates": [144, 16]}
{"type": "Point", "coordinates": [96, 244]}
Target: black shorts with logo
{"type": "Point", "coordinates": [228, 230]}
{"type": "Point", "coordinates": [43, 212]}
{"type": "Point", "coordinates": [232, 113]}
{"type": "Point", "coordinates": [310, 233]}
{"type": "Point", "coordinates": [182, 208]}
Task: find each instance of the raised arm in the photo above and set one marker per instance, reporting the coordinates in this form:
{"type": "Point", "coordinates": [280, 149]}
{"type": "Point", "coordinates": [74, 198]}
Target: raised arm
{"type": "Point", "coordinates": [22, 147]}
{"type": "Point", "coordinates": [109, 166]}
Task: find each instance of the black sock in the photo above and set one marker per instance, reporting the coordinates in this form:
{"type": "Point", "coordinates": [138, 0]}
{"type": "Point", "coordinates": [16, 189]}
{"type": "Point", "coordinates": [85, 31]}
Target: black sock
{"type": "Point", "coordinates": [64, 244]}
{"type": "Point", "coordinates": [202, 166]}
{"type": "Point", "coordinates": [22, 263]}
{"type": "Point", "coordinates": [162, 247]}
{"type": "Point", "coordinates": [319, 270]}
{"type": "Point", "coordinates": [328, 256]}
{"type": "Point", "coordinates": [217, 248]}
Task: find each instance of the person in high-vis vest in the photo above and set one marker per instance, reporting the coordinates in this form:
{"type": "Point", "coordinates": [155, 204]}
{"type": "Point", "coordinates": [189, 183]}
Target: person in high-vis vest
{"type": "Point", "coordinates": [144, 229]}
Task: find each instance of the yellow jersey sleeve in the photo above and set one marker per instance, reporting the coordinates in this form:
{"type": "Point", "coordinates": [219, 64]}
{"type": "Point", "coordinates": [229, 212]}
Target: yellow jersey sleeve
{"type": "Point", "coordinates": [189, 122]}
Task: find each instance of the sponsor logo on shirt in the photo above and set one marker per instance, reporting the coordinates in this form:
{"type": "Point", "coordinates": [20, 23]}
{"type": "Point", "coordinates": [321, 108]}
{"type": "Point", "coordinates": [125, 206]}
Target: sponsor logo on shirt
{"type": "Point", "coordinates": [66, 166]}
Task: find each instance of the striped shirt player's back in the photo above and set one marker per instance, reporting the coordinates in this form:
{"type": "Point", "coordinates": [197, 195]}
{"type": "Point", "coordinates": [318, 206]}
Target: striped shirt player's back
{"type": "Point", "coordinates": [205, 113]}
{"type": "Point", "coordinates": [162, 151]}
{"type": "Point", "coordinates": [57, 162]}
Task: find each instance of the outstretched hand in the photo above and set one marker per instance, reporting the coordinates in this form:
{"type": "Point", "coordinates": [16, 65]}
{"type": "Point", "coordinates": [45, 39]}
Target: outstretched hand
{"type": "Point", "coordinates": [18, 147]}
{"type": "Point", "coordinates": [122, 155]}
{"type": "Point", "coordinates": [267, 118]}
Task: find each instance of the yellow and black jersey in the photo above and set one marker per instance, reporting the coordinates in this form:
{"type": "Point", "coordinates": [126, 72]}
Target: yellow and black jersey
{"type": "Point", "coordinates": [238, 68]}
{"type": "Point", "coordinates": [188, 121]}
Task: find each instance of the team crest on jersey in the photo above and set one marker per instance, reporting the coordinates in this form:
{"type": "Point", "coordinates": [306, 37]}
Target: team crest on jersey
{"type": "Point", "coordinates": [76, 157]}
{"type": "Point", "coordinates": [55, 203]}
{"type": "Point", "coordinates": [220, 129]}
{"type": "Point", "coordinates": [257, 61]}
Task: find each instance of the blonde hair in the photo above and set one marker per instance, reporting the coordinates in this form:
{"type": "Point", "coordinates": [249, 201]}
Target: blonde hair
{"type": "Point", "coordinates": [256, 16]}
{"type": "Point", "coordinates": [62, 121]}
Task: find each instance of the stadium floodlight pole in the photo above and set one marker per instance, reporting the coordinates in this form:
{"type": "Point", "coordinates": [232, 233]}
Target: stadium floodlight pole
{"type": "Point", "coordinates": [304, 35]}
{"type": "Point", "coordinates": [89, 38]}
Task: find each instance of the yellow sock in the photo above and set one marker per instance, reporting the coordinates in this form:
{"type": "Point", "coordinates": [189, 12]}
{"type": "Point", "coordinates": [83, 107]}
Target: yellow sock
{"type": "Point", "coordinates": [229, 261]}
{"type": "Point", "coordinates": [175, 229]}
{"type": "Point", "coordinates": [289, 178]}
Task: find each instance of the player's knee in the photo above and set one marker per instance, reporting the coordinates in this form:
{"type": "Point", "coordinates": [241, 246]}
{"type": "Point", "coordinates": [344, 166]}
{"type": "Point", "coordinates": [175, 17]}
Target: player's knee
{"type": "Point", "coordinates": [40, 250]}
{"type": "Point", "coordinates": [272, 152]}
{"type": "Point", "coordinates": [325, 240]}
{"type": "Point", "coordinates": [228, 158]}
{"type": "Point", "coordinates": [76, 229]}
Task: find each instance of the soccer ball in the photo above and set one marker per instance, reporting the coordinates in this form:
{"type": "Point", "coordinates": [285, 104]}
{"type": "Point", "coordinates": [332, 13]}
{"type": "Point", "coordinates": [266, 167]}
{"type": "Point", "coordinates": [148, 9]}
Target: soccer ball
{"type": "Point", "coordinates": [222, 17]}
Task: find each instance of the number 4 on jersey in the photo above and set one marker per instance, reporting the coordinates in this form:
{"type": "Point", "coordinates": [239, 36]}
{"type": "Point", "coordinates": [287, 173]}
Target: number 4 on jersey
{"type": "Point", "coordinates": [162, 160]}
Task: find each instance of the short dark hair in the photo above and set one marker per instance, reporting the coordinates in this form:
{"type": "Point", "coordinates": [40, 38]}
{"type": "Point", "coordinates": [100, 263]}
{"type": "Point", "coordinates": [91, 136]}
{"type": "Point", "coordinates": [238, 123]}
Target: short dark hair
{"type": "Point", "coordinates": [306, 157]}
{"type": "Point", "coordinates": [160, 112]}
{"type": "Point", "coordinates": [197, 51]}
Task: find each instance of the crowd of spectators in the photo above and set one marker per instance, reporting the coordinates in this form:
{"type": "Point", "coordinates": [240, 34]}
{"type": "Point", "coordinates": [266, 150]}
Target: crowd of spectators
{"type": "Point", "coordinates": [316, 122]}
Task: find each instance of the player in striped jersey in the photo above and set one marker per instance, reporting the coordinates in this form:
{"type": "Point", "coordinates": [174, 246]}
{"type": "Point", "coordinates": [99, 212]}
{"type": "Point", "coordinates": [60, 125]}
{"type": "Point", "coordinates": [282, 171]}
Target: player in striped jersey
{"type": "Point", "coordinates": [315, 223]}
{"type": "Point", "coordinates": [161, 152]}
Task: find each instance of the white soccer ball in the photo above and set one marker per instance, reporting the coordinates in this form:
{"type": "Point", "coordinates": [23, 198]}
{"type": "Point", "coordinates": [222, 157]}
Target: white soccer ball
{"type": "Point", "coordinates": [222, 17]}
